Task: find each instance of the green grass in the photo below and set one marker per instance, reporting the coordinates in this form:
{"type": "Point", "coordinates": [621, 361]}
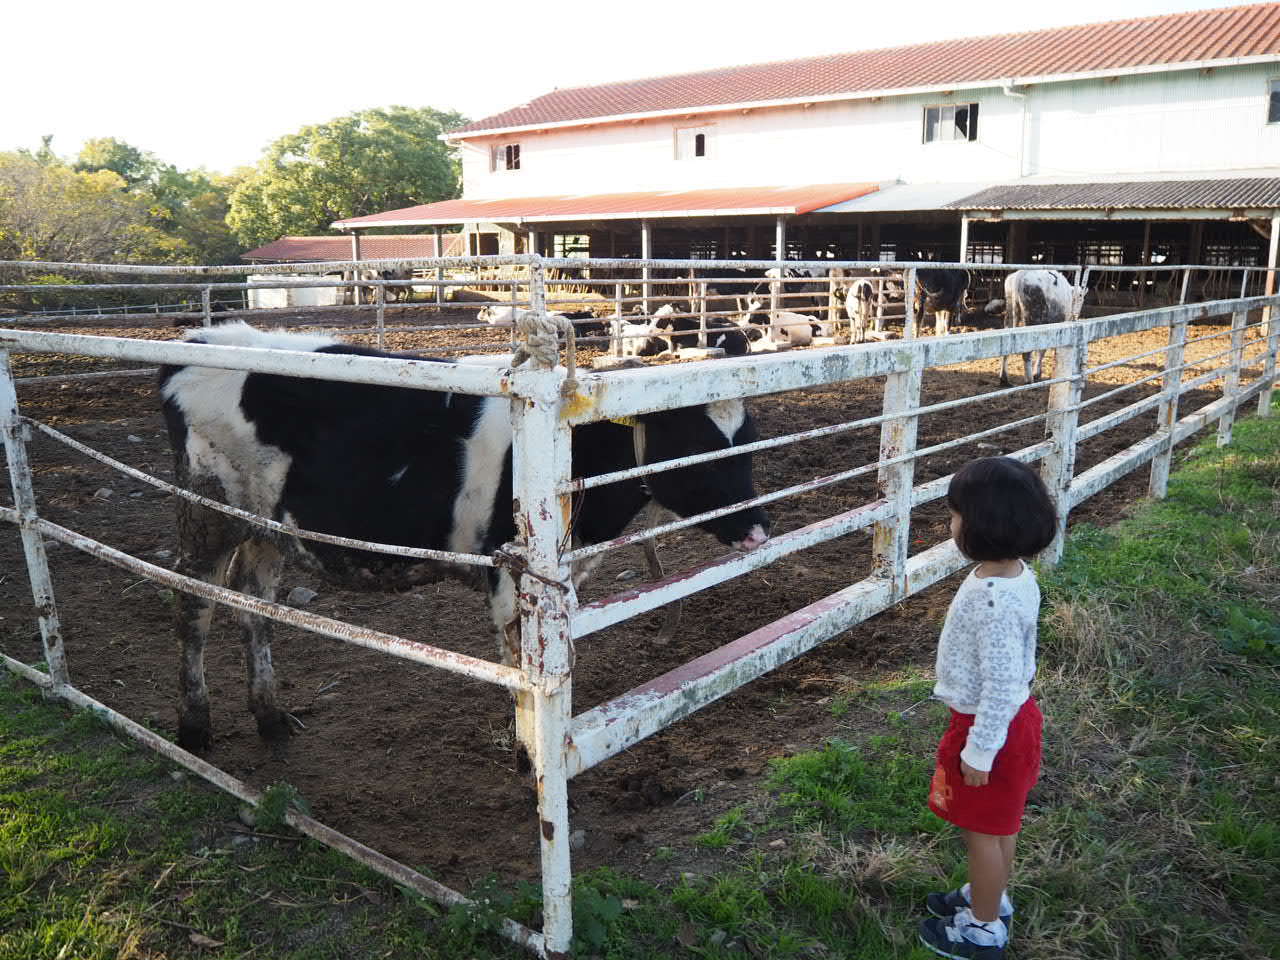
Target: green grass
{"type": "Point", "coordinates": [1154, 833]}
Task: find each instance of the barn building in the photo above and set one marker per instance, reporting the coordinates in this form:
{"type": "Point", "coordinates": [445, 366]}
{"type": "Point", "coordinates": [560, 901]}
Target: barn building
{"type": "Point", "coordinates": [1152, 140]}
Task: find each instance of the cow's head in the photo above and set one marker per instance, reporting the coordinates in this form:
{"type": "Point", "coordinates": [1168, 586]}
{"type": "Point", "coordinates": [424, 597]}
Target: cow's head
{"type": "Point", "coordinates": [673, 434]}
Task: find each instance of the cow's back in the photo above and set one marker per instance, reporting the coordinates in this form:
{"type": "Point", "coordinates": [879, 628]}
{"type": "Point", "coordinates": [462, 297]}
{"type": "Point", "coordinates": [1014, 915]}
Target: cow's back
{"type": "Point", "coordinates": [387, 464]}
{"type": "Point", "coordinates": [1037, 296]}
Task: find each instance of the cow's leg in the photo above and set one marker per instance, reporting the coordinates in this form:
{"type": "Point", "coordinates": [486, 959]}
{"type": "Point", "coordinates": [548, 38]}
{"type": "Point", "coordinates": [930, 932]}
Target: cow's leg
{"type": "Point", "coordinates": [505, 609]}
{"type": "Point", "coordinates": [256, 571]}
{"type": "Point", "coordinates": [206, 543]}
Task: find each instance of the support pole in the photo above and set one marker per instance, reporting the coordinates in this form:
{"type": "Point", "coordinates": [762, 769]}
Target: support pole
{"type": "Point", "coordinates": [1146, 262]}
{"type": "Point", "coordinates": [1231, 379]}
{"type": "Point", "coordinates": [541, 465]}
{"type": "Point", "coordinates": [1270, 286]}
{"type": "Point", "coordinates": [357, 297]}
{"type": "Point", "coordinates": [616, 346]}
{"type": "Point", "coordinates": [1167, 413]}
{"type": "Point", "coordinates": [439, 298]}
{"type": "Point", "coordinates": [891, 539]}
{"type": "Point", "coordinates": [24, 502]}
{"type": "Point", "coordinates": [780, 255]}
{"type": "Point", "coordinates": [964, 239]}
{"type": "Point", "coordinates": [702, 314]}
{"type": "Point", "coordinates": [1059, 465]}
{"type": "Point", "coordinates": [909, 303]}
{"type": "Point", "coordinates": [646, 274]}
{"type": "Point", "coordinates": [380, 297]}
{"type": "Point", "coordinates": [1269, 369]}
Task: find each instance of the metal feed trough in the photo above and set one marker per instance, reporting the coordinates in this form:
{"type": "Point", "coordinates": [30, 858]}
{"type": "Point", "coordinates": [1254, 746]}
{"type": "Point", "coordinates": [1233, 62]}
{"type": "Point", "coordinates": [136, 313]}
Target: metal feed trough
{"type": "Point", "coordinates": [548, 401]}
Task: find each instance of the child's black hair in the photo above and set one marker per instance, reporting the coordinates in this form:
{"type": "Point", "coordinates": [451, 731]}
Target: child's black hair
{"type": "Point", "coordinates": [1005, 510]}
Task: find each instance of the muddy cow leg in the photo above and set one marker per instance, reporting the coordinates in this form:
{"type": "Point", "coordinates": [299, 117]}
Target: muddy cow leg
{"type": "Point", "coordinates": [504, 606]}
{"type": "Point", "coordinates": [206, 544]}
{"type": "Point", "coordinates": [257, 572]}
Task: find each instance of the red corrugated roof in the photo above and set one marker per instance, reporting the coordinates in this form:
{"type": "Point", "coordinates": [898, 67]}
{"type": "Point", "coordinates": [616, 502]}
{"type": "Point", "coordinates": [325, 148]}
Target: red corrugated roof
{"type": "Point", "coordinates": [300, 249]}
{"type": "Point", "coordinates": [604, 206]}
{"type": "Point", "coordinates": [1205, 35]}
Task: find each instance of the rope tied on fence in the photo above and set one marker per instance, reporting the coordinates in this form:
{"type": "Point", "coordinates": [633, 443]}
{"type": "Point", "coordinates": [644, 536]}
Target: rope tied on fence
{"type": "Point", "coordinates": [539, 340]}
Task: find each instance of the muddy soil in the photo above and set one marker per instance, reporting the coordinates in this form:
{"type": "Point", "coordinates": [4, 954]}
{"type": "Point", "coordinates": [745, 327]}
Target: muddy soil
{"type": "Point", "coordinates": [417, 763]}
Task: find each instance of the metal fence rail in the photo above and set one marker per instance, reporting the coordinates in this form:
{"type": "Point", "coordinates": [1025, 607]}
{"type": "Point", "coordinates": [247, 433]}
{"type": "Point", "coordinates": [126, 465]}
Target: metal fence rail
{"type": "Point", "coordinates": [548, 402]}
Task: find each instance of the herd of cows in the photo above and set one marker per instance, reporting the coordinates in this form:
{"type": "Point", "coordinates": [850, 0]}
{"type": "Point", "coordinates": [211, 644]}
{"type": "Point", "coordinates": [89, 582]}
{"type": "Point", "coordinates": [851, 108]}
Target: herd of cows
{"type": "Point", "coordinates": [432, 469]}
{"type": "Point", "coordinates": [740, 320]}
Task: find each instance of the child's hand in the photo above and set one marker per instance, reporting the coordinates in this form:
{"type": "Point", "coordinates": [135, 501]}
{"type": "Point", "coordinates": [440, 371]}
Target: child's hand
{"type": "Point", "coordinates": [972, 777]}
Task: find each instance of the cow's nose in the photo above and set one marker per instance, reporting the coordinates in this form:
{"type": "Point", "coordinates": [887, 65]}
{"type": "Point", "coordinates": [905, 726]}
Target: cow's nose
{"type": "Point", "coordinates": [753, 539]}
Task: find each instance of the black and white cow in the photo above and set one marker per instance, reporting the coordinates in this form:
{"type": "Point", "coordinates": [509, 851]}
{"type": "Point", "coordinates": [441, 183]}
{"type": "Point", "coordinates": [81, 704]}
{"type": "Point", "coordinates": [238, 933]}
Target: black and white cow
{"type": "Point", "coordinates": [391, 465]}
{"type": "Point", "coordinates": [680, 332]}
{"type": "Point", "coordinates": [942, 292]}
{"type": "Point", "coordinates": [393, 294]}
{"type": "Point", "coordinates": [1033, 297]}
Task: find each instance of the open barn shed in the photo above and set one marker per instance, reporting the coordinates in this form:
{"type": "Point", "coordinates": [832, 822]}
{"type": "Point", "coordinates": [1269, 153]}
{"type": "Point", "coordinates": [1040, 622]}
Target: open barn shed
{"type": "Point", "coordinates": [1152, 140]}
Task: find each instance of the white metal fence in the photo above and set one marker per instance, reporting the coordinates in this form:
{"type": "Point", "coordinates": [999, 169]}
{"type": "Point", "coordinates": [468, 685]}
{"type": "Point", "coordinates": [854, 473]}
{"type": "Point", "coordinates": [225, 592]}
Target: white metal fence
{"type": "Point", "coordinates": [552, 400]}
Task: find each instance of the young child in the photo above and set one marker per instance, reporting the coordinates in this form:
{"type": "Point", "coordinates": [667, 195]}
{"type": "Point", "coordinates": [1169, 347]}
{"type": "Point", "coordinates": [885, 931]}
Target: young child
{"type": "Point", "coordinates": [989, 758]}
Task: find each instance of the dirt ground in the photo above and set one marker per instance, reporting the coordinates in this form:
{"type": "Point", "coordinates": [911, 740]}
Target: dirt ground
{"type": "Point", "coordinates": [417, 763]}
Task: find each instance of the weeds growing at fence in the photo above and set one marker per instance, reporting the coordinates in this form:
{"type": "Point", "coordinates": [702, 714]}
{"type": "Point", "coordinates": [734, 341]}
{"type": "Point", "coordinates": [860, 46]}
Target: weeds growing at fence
{"type": "Point", "coordinates": [1155, 832]}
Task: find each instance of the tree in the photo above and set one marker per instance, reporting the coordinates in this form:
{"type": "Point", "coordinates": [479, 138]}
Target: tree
{"type": "Point", "coordinates": [366, 162]}
{"type": "Point", "coordinates": [49, 211]}
{"type": "Point", "coordinates": [188, 206]}
{"type": "Point", "coordinates": [107, 153]}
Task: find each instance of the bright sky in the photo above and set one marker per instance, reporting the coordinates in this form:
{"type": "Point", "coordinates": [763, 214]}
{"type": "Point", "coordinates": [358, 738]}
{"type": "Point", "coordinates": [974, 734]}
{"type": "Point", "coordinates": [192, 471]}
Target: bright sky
{"type": "Point", "coordinates": [210, 85]}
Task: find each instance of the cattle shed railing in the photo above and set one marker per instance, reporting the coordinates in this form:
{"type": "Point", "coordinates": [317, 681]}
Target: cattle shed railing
{"type": "Point", "coordinates": [548, 401]}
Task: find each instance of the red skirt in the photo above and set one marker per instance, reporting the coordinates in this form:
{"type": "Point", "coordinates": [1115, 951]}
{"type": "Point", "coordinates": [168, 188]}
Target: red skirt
{"type": "Point", "coordinates": [996, 807]}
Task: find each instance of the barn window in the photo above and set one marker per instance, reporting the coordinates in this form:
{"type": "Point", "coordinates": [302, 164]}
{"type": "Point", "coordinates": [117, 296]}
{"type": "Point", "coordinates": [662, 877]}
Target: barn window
{"type": "Point", "coordinates": [572, 245]}
{"type": "Point", "coordinates": [1273, 103]}
{"type": "Point", "coordinates": [950, 121]}
{"type": "Point", "coordinates": [692, 143]}
{"type": "Point", "coordinates": [505, 156]}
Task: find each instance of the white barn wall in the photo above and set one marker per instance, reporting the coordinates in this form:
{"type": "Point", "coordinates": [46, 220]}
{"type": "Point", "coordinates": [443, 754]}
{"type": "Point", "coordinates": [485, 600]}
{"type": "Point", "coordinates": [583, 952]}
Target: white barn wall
{"type": "Point", "coordinates": [1170, 122]}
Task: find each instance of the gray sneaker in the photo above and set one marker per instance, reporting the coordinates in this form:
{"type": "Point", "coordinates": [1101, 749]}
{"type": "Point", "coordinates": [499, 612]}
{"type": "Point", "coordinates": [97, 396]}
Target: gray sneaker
{"type": "Point", "coordinates": [946, 940]}
{"type": "Point", "coordinates": [945, 905]}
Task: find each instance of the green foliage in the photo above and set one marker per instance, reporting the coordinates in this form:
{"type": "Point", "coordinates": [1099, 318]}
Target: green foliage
{"type": "Point", "coordinates": [594, 915]}
{"type": "Point", "coordinates": [277, 800]}
{"type": "Point", "coordinates": [363, 163]}
{"type": "Point", "coordinates": [853, 788]}
{"type": "Point", "coordinates": [126, 161]}
{"type": "Point", "coordinates": [727, 827]}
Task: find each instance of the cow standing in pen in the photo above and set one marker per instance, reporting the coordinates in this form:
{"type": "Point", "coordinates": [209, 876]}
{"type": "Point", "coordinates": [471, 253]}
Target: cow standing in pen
{"type": "Point", "coordinates": [1034, 297]}
{"type": "Point", "coordinates": [418, 468]}
{"type": "Point", "coordinates": [941, 291]}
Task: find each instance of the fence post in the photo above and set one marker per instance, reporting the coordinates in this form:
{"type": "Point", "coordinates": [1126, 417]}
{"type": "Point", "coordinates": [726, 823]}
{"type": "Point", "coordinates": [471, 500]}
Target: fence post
{"type": "Point", "coordinates": [1269, 370]}
{"type": "Point", "coordinates": [1231, 379]}
{"type": "Point", "coordinates": [515, 297]}
{"type": "Point", "coordinates": [541, 457]}
{"type": "Point", "coordinates": [439, 268]}
{"type": "Point", "coordinates": [616, 346]}
{"type": "Point", "coordinates": [206, 306]}
{"type": "Point", "coordinates": [891, 538]}
{"type": "Point", "coordinates": [381, 300]}
{"type": "Point", "coordinates": [909, 303]}
{"type": "Point", "coordinates": [24, 502]}
{"type": "Point", "coordinates": [1078, 294]}
{"type": "Point", "coordinates": [1167, 413]}
{"type": "Point", "coordinates": [1058, 467]}
{"type": "Point", "coordinates": [702, 314]}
